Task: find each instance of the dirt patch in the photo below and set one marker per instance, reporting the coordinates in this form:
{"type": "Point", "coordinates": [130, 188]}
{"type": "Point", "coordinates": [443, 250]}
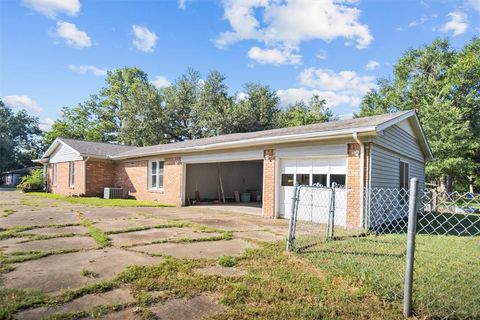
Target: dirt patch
{"type": "Point", "coordinates": [221, 271]}
{"type": "Point", "coordinates": [57, 272]}
{"type": "Point", "coordinates": [259, 235]}
{"type": "Point", "coordinates": [55, 244]}
{"type": "Point", "coordinates": [148, 236]}
{"type": "Point", "coordinates": [197, 250]}
{"type": "Point", "coordinates": [187, 309]}
{"type": "Point", "coordinates": [85, 303]}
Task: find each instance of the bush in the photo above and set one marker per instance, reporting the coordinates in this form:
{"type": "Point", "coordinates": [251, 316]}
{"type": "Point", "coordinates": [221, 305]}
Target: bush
{"type": "Point", "coordinates": [227, 261]}
{"type": "Point", "coordinates": [34, 181]}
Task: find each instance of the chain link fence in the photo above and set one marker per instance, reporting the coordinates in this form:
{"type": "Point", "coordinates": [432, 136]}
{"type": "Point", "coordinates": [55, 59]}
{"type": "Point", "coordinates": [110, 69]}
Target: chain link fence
{"type": "Point", "coordinates": [446, 244]}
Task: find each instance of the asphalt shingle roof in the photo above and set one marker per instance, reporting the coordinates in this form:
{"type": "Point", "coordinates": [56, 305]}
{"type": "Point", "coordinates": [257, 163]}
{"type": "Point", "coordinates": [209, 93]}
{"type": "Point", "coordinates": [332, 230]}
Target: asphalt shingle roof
{"type": "Point", "coordinates": [116, 150]}
{"type": "Point", "coordinates": [318, 127]}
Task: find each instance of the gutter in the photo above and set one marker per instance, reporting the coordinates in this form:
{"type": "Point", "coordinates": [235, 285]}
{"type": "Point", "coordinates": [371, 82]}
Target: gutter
{"type": "Point", "coordinates": [362, 178]}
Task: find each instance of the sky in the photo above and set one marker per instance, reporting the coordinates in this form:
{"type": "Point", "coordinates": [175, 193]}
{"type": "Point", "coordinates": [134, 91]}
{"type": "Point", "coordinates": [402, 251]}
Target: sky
{"type": "Point", "coordinates": [55, 53]}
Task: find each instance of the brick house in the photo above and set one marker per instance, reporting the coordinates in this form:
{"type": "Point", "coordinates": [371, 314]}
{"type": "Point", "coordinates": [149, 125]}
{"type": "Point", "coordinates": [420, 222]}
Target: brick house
{"type": "Point", "coordinates": [383, 150]}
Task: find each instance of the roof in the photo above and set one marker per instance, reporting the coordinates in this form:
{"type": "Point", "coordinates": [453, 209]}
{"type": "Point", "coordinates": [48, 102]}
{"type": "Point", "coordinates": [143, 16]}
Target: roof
{"type": "Point", "coordinates": [332, 129]}
{"type": "Point", "coordinates": [21, 171]}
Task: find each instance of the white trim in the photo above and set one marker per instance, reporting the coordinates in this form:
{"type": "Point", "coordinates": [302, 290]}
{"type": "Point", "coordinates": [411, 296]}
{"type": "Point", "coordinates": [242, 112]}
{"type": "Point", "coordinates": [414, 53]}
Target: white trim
{"type": "Point", "coordinates": [149, 175]}
{"type": "Point", "coordinates": [71, 177]}
{"type": "Point", "coordinates": [224, 157]}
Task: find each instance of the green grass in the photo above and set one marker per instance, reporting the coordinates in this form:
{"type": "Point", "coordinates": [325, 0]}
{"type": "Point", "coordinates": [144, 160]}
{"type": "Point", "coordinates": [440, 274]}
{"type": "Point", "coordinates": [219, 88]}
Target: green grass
{"type": "Point", "coordinates": [12, 300]}
{"type": "Point", "coordinates": [99, 202]}
{"type": "Point", "coordinates": [7, 212]}
{"type": "Point", "coordinates": [98, 235]}
{"type": "Point", "coordinates": [446, 278]}
{"type": "Point", "coordinates": [227, 261]}
{"type": "Point", "coordinates": [88, 273]}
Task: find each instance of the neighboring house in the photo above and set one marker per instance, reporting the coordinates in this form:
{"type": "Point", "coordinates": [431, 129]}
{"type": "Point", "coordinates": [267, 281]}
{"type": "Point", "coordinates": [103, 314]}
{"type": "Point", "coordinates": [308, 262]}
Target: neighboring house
{"type": "Point", "coordinates": [13, 177]}
{"type": "Point", "coordinates": [383, 150]}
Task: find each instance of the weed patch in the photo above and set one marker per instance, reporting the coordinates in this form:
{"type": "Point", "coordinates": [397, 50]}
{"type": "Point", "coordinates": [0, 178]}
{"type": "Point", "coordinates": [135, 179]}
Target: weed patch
{"type": "Point", "coordinates": [98, 235]}
{"type": "Point", "coordinates": [13, 300]}
{"type": "Point", "coordinates": [88, 273]}
{"type": "Point", "coordinates": [227, 261]}
{"type": "Point", "coordinates": [7, 212]}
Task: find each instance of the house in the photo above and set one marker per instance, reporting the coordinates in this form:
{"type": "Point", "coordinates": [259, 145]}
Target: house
{"type": "Point", "coordinates": [383, 150]}
{"type": "Point", "coordinates": [13, 177]}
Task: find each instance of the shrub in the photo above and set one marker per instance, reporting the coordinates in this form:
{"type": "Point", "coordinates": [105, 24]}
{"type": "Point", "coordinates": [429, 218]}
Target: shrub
{"type": "Point", "coordinates": [34, 181]}
{"type": "Point", "coordinates": [227, 261]}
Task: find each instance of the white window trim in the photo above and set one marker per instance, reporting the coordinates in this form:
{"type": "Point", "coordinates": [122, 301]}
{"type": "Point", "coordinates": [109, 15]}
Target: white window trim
{"type": "Point", "coordinates": [71, 165]}
{"type": "Point", "coordinates": [149, 179]}
{"type": "Point", "coordinates": [54, 174]}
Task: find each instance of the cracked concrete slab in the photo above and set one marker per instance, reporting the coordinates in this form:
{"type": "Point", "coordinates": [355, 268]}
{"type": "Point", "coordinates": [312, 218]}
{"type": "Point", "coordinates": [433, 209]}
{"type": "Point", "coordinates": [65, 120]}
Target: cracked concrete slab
{"type": "Point", "coordinates": [84, 303]}
{"type": "Point", "coordinates": [194, 308]}
{"type": "Point", "coordinates": [198, 250]}
{"type": "Point", "coordinates": [40, 217]}
{"type": "Point", "coordinates": [148, 236]}
{"type": "Point", "coordinates": [55, 244]}
{"type": "Point", "coordinates": [50, 231]}
{"type": "Point", "coordinates": [63, 271]}
{"type": "Point", "coordinates": [122, 224]}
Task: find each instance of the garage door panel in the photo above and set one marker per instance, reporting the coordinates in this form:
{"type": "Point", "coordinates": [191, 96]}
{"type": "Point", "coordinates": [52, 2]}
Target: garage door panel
{"type": "Point", "coordinates": [289, 166]}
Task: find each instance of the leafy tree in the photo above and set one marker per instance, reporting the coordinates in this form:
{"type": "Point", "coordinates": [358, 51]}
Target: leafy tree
{"type": "Point", "coordinates": [142, 115]}
{"type": "Point", "coordinates": [443, 85]}
{"type": "Point", "coordinates": [301, 113]}
{"type": "Point", "coordinates": [180, 99]}
{"type": "Point", "coordinates": [19, 136]}
{"type": "Point", "coordinates": [260, 108]}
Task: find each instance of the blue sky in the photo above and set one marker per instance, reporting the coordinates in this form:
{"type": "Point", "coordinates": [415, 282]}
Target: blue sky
{"type": "Point", "coordinates": [54, 53]}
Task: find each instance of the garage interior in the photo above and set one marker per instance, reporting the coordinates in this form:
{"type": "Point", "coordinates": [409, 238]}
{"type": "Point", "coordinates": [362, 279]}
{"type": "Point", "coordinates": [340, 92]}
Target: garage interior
{"type": "Point", "coordinates": [236, 183]}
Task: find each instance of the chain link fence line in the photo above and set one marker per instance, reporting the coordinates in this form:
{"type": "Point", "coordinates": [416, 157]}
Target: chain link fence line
{"type": "Point", "coordinates": [445, 255]}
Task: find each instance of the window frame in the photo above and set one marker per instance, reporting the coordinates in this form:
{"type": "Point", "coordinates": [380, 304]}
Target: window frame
{"type": "Point", "coordinates": [71, 174]}
{"type": "Point", "coordinates": [157, 187]}
{"type": "Point", "coordinates": [54, 174]}
{"type": "Point", "coordinates": [406, 174]}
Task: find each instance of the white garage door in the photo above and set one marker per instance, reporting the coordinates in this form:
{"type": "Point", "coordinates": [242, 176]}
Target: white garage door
{"type": "Point", "coordinates": [314, 202]}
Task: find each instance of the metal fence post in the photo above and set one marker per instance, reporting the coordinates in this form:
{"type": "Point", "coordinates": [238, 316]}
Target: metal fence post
{"type": "Point", "coordinates": [291, 229]}
{"type": "Point", "coordinates": [412, 230]}
{"type": "Point", "coordinates": [331, 220]}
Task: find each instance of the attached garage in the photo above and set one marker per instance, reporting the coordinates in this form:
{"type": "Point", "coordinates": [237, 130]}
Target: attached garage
{"type": "Point", "coordinates": [319, 172]}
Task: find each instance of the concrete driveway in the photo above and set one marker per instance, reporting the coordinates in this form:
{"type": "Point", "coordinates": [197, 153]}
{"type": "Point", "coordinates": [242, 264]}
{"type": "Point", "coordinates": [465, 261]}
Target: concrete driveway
{"type": "Point", "coordinates": [47, 245]}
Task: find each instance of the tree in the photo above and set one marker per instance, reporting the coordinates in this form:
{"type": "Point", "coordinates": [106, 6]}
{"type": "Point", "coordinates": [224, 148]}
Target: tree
{"type": "Point", "coordinates": [180, 99]}
{"type": "Point", "coordinates": [86, 121]}
{"type": "Point", "coordinates": [442, 84]}
{"type": "Point", "coordinates": [19, 137]}
{"type": "Point", "coordinates": [142, 115]}
{"type": "Point", "coordinates": [259, 108]}
{"type": "Point", "coordinates": [301, 113]}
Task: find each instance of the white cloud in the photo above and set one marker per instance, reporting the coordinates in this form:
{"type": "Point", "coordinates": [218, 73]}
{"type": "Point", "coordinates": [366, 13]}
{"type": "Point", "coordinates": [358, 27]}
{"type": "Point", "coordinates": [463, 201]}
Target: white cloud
{"type": "Point", "coordinates": [160, 82]}
{"type": "Point", "coordinates": [72, 36]}
{"type": "Point", "coordinates": [372, 64]}
{"type": "Point", "coordinates": [241, 96]}
{"type": "Point", "coordinates": [475, 4]}
{"type": "Point", "coordinates": [144, 39]}
{"type": "Point", "coordinates": [51, 8]}
{"type": "Point", "coordinates": [458, 23]}
{"type": "Point", "coordinates": [288, 24]}
{"type": "Point", "coordinates": [344, 81]}
{"type": "Point", "coordinates": [46, 123]}
{"type": "Point", "coordinates": [273, 56]}
{"type": "Point", "coordinates": [342, 88]}
{"type": "Point", "coordinates": [322, 55]}
{"type": "Point", "coordinates": [333, 99]}
{"type": "Point", "coordinates": [21, 102]}
{"type": "Point", "coordinates": [82, 69]}
{"type": "Point", "coordinates": [182, 4]}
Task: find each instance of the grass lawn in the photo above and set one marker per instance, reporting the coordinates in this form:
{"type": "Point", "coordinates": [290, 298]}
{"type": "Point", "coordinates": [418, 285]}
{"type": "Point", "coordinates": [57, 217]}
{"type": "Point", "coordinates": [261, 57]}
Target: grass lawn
{"type": "Point", "coordinates": [99, 202]}
{"type": "Point", "coordinates": [276, 286]}
{"type": "Point", "coordinates": [446, 278]}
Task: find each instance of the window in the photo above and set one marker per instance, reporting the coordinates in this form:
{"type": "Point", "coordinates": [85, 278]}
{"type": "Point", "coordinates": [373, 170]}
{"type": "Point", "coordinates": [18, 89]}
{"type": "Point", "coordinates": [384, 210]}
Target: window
{"type": "Point", "coordinates": [287, 180]}
{"type": "Point", "coordinates": [155, 174]}
{"type": "Point", "coordinates": [319, 179]}
{"type": "Point", "coordinates": [303, 179]}
{"type": "Point", "coordinates": [71, 170]}
{"type": "Point", "coordinates": [54, 174]}
{"type": "Point", "coordinates": [338, 179]}
{"type": "Point", "coordinates": [404, 175]}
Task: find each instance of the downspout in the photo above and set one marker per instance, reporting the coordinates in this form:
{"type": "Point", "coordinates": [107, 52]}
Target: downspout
{"type": "Point", "coordinates": [85, 176]}
{"type": "Point", "coordinates": [362, 178]}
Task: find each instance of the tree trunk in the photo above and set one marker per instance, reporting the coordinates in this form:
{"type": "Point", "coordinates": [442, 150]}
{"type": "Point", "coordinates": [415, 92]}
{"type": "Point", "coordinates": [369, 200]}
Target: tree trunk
{"type": "Point", "coordinates": [470, 184]}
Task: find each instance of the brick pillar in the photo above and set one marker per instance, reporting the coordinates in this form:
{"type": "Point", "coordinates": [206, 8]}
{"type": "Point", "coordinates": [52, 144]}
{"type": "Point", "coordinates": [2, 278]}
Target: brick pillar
{"type": "Point", "coordinates": [353, 183]}
{"type": "Point", "coordinates": [172, 183]}
{"type": "Point", "coordinates": [269, 183]}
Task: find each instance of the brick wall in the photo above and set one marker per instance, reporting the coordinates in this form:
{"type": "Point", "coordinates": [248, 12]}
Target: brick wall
{"type": "Point", "coordinates": [269, 183]}
{"type": "Point", "coordinates": [99, 175]}
{"type": "Point", "coordinates": [62, 185]}
{"type": "Point", "coordinates": [133, 177]}
{"type": "Point", "coordinates": [354, 181]}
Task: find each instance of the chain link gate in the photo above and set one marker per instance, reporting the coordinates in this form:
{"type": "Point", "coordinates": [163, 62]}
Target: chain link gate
{"type": "Point", "coordinates": [438, 276]}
